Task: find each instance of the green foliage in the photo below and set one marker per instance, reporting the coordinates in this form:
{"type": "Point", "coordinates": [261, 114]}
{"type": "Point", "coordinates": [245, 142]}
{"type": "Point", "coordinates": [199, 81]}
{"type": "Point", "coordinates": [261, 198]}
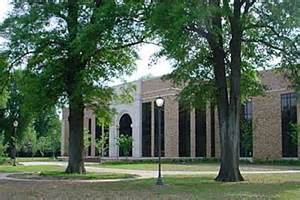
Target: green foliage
{"type": "Point", "coordinates": [49, 143]}
{"type": "Point", "coordinates": [87, 138]}
{"type": "Point", "coordinates": [15, 109]}
{"type": "Point", "coordinates": [102, 144]}
{"type": "Point", "coordinates": [32, 125]}
{"type": "Point", "coordinates": [184, 29]}
{"type": "Point", "coordinates": [3, 98]}
{"type": "Point", "coordinates": [4, 79]}
{"type": "Point", "coordinates": [246, 136]}
{"type": "Point", "coordinates": [3, 147]}
{"type": "Point", "coordinates": [294, 130]}
{"type": "Point", "coordinates": [28, 144]}
{"type": "Point", "coordinates": [71, 51]}
{"type": "Point", "coordinates": [98, 39]}
{"type": "Point", "coordinates": [125, 143]}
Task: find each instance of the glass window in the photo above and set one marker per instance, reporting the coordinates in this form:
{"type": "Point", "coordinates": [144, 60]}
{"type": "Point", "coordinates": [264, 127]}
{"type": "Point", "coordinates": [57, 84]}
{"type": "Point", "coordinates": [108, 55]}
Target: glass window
{"type": "Point", "coordinates": [200, 118]}
{"type": "Point", "coordinates": [146, 129]}
{"type": "Point", "coordinates": [288, 119]}
{"type": "Point", "coordinates": [184, 131]}
{"type": "Point", "coordinates": [246, 135]}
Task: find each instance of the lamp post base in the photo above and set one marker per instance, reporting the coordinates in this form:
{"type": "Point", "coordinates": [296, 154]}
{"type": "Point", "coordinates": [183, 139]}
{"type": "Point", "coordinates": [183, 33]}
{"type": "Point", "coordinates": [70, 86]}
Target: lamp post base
{"type": "Point", "coordinates": [159, 181]}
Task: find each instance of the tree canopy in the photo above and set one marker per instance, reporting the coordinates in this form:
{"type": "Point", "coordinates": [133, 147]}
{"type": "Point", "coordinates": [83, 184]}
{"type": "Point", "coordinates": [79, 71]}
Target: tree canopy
{"type": "Point", "coordinates": [216, 47]}
{"type": "Point", "coordinates": [71, 50]}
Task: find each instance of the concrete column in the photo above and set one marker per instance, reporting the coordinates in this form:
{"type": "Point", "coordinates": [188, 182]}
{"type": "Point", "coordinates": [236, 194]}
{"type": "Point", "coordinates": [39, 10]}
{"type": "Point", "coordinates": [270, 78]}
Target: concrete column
{"type": "Point", "coordinates": [217, 135]}
{"type": "Point", "coordinates": [152, 129]}
{"type": "Point", "coordinates": [93, 135]}
{"type": "Point", "coordinates": [65, 132]}
{"type": "Point", "coordinates": [298, 123]}
{"type": "Point", "coordinates": [193, 133]}
{"type": "Point", "coordinates": [208, 132]}
{"type": "Point", "coordinates": [137, 123]}
{"type": "Point", "coordinates": [113, 148]}
{"type": "Point", "coordinates": [85, 128]}
{"type": "Point", "coordinates": [171, 126]}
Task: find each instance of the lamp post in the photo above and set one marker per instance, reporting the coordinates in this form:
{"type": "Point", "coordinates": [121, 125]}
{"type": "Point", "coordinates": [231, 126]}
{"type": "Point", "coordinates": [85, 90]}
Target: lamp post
{"type": "Point", "coordinates": [159, 103]}
{"type": "Point", "coordinates": [15, 124]}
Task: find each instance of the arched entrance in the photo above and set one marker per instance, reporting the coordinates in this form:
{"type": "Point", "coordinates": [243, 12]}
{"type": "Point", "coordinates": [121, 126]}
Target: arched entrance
{"type": "Point", "coordinates": [125, 128]}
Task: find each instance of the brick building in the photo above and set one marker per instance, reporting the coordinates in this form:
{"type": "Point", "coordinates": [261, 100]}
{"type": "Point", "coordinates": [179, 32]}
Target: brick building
{"type": "Point", "coordinates": [194, 133]}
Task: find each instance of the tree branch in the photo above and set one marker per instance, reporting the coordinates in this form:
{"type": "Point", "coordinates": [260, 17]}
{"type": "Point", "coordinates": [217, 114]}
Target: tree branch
{"type": "Point", "coordinates": [200, 31]}
{"type": "Point", "coordinates": [248, 5]}
{"type": "Point", "coordinates": [264, 43]}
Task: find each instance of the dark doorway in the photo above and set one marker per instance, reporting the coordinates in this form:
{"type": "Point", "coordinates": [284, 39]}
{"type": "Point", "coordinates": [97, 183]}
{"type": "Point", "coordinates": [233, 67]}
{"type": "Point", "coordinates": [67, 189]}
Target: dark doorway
{"type": "Point", "coordinates": [288, 120]}
{"type": "Point", "coordinates": [200, 118]}
{"type": "Point", "coordinates": [184, 131]}
{"type": "Point", "coordinates": [90, 137]}
{"type": "Point", "coordinates": [146, 129]}
{"type": "Point", "coordinates": [246, 135]}
{"type": "Point", "coordinates": [125, 128]}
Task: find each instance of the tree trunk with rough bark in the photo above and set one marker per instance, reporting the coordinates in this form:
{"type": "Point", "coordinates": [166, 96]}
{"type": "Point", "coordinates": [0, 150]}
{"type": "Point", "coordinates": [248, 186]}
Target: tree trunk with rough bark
{"type": "Point", "coordinates": [229, 105]}
{"type": "Point", "coordinates": [74, 90]}
{"type": "Point", "coordinates": [76, 141]}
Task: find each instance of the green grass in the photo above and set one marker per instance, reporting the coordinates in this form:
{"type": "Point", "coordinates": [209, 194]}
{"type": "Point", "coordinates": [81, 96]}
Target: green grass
{"type": "Point", "coordinates": [277, 187]}
{"type": "Point", "coordinates": [35, 159]}
{"type": "Point", "coordinates": [22, 168]}
{"type": "Point", "coordinates": [87, 176]}
{"type": "Point", "coordinates": [49, 171]}
{"type": "Point", "coordinates": [190, 166]}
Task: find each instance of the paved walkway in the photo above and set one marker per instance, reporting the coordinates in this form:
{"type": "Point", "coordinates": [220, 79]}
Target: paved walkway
{"type": "Point", "coordinates": [143, 174]}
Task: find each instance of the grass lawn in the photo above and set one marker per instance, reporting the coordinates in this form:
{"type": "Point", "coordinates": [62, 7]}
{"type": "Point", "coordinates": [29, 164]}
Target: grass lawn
{"type": "Point", "coordinates": [35, 159]}
{"type": "Point", "coordinates": [60, 175]}
{"type": "Point", "coordinates": [282, 187]}
{"type": "Point", "coordinates": [57, 172]}
{"type": "Point", "coordinates": [22, 168]}
{"type": "Point", "coordinates": [191, 166]}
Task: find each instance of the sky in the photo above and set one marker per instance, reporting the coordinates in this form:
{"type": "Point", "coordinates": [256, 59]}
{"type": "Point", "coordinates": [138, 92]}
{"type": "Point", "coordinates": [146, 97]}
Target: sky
{"type": "Point", "coordinates": [145, 51]}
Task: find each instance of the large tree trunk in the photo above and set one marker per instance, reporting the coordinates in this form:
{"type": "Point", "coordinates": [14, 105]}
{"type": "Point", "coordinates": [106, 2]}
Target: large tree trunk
{"type": "Point", "coordinates": [74, 91]}
{"type": "Point", "coordinates": [229, 112]}
{"type": "Point", "coordinates": [229, 134]}
{"type": "Point", "coordinates": [76, 141]}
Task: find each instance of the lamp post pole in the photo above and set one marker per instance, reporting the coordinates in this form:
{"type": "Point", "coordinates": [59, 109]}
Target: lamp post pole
{"type": "Point", "coordinates": [15, 124]}
{"type": "Point", "coordinates": [159, 104]}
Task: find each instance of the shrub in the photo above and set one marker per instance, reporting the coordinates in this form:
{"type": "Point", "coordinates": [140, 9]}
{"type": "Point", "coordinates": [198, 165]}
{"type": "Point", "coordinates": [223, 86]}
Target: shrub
{"type": "Point", "coordinates": [125, 144]}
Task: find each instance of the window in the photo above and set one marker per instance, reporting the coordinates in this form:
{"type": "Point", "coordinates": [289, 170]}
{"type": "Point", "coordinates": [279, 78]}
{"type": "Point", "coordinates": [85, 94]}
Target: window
{"type": "Point", "coordinates": [162, 125]}
{"type": "Point", "coordinates": [200, 118]}
{"type": "Point", "coordinates": [146, 129]}
{"type": "Point", "coordinates": [246, 135]}
{"type": "Point", "coordinates": [184, 131]}
{"type": "Point", "coordinates": [288, 118]}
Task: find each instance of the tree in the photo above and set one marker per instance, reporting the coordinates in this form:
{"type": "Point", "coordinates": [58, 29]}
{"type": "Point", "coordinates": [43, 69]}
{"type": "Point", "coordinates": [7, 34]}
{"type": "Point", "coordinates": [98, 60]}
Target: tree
{"type": "Point", "coordinates": [3, 88]}
{"type": "Point", "coordinates": [28, 144]}
{"type": "Point", "coordinates": [102, 144]}
{"type": "Point", "coordinates": [14, 110]}
{"type": "Point", "coordinates": [71, 50]}
{"type": "Point", "coordinates": [214, 45]}
{"type": "Point", "coordinates": [125, 144]}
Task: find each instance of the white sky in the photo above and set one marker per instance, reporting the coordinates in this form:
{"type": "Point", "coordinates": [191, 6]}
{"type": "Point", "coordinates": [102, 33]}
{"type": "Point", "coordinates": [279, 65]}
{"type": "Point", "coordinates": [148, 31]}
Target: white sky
{"type": "Point", "coordinates": [145, 52]}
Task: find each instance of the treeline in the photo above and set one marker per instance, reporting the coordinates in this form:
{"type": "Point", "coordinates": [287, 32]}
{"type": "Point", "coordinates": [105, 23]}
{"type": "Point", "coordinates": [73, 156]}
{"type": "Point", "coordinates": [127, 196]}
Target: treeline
{"type": "Point", "coordinates": [38, 130]}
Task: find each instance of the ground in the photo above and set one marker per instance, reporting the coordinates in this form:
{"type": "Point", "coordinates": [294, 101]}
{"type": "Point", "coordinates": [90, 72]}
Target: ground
{"type": "Point", "coordinates": [262, 182]}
